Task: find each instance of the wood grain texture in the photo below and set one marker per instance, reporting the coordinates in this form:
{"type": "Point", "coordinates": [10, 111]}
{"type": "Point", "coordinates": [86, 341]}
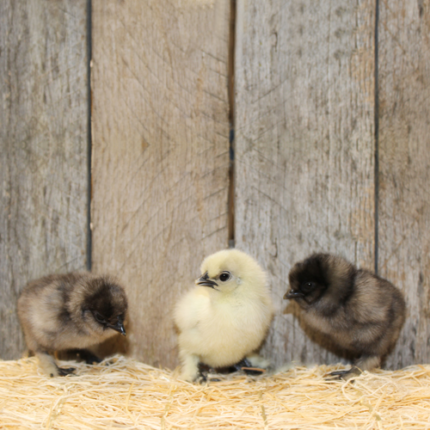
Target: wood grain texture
{"type": "Point", "coordinates": [160, 154]}
{"type": "Point", "coordinates": [304, 145]}
{"type": "Point", "coordinates": [404, 149]}
{"type": "Point", "coordinates": [43, 147]}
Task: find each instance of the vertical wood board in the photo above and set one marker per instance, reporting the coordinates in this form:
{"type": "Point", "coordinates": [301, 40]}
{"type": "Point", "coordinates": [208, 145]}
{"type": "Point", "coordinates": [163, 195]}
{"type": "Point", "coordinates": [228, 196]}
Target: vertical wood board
{"type": "Point", "coordinates": [304, 147]}
{"type": "Point", "coordinates": [160, 154]}
{"type": "Point", "coordinates": [43, 149]}
{"type": "Point", "coordinates": [404, 153]}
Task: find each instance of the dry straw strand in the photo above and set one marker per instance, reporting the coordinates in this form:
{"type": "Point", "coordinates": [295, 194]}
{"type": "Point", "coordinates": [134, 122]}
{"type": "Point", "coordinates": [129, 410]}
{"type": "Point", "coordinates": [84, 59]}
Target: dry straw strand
{"type": "Point", "coordinates": [126, 394]}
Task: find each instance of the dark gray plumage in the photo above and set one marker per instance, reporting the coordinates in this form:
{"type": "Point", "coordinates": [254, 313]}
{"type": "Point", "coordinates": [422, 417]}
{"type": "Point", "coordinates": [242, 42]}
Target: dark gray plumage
{"type": "Point", "coordinates": [70, 311]}
{"type": "Point", "coordinates": [361, 312]}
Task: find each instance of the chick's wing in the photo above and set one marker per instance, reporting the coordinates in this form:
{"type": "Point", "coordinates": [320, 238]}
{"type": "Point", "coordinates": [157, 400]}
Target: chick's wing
{"type": "Point", "coordinates": [191, 309]}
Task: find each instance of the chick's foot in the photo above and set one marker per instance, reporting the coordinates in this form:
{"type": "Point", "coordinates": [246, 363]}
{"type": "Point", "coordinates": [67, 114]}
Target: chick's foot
{"type": "Point", "coordinates": [345, 375]}
{"type": "Point", "coordinates": [246, 366]}
{"type": "Point", "coordinates": [65, 372]}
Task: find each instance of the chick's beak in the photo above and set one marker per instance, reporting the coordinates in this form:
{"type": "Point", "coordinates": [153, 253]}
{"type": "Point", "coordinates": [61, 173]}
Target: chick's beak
{"type": "Point", "coordinates": [204, 281]}
{"type": "Point", "coordinates": [119, 327]}
{"type": "Point", "coordinates": [291, 295]}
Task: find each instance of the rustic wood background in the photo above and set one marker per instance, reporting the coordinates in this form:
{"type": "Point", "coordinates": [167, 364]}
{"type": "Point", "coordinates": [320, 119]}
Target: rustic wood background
{"type": "Point", "coordinates": [304, 144]}
{"type": "Point", "coordinates": [404, 166]}
{"type": "Point", "coordinates": [160, 155]}
{"type": "Point", "coordinates": [331, 151]}
{"type": "Point", "coordinates": [43, 149]}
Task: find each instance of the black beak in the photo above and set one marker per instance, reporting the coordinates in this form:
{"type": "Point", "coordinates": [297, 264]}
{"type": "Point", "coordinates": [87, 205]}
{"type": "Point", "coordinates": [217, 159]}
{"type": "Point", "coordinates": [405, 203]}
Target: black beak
{"type": "Point", "coordinates": [204, 281]}
{"type": "Point", "coordinates": [291, 295]}
{"type": "Point", "coordinates": [119, 327]}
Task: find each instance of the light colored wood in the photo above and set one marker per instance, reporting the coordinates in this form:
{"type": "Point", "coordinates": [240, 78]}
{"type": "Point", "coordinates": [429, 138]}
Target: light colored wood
{"type": "Point", "coordinates": [404, 148]}
{"type": "Point", "coordinates": [43, 149]}
{"type": "Point", "coordinates": [160, 154]}
{"type": "Point", "coordinates": [304, 144]}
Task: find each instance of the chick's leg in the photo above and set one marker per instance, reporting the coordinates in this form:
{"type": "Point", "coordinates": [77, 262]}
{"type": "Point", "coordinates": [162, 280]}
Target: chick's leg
{"type": "Point", "coordinates": [363, 363]}
{"type": "Point", "coordinates": [368, 362]}
{"type": "Point", "coordinates": [190, 366]}
{"type": "Point", "coordinates": [346, 375]}
{"type": "Point", "coordinates": [258, 361]}
{"type": "Point", "coordinates": [253, 364]}
{"type": "Point", "coordinates": [47, 363]}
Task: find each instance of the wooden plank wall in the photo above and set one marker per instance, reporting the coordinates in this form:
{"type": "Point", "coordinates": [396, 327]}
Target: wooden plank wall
{"type": "Point", "coordinates": [404, 153]}
{"type": "Point", "coordinates": [305, 144]}
{"type": "Point", "coordinates": [160, 154]}
{"type": "Point", "coordinates": [307, 126]}
{"type": "Point", "coordinates": [43, 147]}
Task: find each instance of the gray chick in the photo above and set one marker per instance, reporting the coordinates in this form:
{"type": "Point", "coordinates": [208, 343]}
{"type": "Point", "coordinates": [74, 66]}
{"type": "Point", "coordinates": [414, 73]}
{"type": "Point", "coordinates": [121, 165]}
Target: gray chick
{"type": "Point", "coordinates": [70, 311]}
{"type": "Point", "coordinates": [361, 312]}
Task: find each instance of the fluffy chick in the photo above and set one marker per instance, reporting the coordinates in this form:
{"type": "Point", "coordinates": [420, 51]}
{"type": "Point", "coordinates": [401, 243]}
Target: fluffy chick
{"type": "Point", "coordinates": [70, 311]}
{"type": "Point", "coordinates": [225, 318]}
{"type": "Point", "coordinates": [361, 312]}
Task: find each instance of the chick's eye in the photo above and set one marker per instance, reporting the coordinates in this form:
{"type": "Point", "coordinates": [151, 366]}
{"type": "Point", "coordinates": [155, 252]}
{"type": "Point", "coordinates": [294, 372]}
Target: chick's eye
{"type": "Point", "coordinates": [99, 318]}
{"type": "Point", "coordinates": [308, 286]}
{"type": "Point", "coordinates": [225, 276]}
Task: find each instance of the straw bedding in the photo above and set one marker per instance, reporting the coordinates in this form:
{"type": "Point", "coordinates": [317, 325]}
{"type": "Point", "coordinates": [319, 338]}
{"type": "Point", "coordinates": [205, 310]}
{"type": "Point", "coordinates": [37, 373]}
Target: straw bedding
{"type": "Point", "coordinates": [131, 395]}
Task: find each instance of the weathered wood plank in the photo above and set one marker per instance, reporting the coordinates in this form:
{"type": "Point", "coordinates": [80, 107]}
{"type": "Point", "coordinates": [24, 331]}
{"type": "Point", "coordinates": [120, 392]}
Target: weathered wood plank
{"type": "Point", "coordinates": [404, 149]}
{"type": "Point", "coordinates": [160, 154]}
{"type": "Point", "coordinates": [43, 147]}
{"type": "Point", "coordinates": [304, 144]}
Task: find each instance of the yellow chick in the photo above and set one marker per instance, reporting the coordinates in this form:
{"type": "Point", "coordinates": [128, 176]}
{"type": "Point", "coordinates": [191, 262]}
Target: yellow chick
{"type": "Point", "coordinates": [225, 318]}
